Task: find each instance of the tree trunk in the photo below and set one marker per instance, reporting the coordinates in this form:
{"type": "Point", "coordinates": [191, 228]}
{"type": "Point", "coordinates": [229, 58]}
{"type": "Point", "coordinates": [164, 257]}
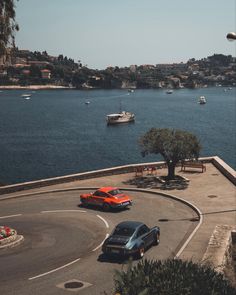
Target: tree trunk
{"type": "Point", "coordinates": [171, 170]}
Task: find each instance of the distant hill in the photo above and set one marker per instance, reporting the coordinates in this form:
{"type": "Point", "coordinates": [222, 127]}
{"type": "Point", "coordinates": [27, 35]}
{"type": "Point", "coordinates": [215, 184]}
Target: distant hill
{"type": "Point", "coordinates": [23, 67]}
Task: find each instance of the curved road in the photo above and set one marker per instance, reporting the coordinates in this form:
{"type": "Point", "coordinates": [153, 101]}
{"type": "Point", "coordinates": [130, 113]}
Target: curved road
{"type": "Point", "coordinates": [62, 240]}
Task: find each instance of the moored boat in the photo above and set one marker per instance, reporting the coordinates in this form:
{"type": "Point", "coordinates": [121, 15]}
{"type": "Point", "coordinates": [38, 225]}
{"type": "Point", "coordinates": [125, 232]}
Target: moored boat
{"type": "Point", "coordinates": [26, 95]}
{"type": "Point", "coordinates": [202, 100]}
{"type": "Point", "coordinates": [122, 117]}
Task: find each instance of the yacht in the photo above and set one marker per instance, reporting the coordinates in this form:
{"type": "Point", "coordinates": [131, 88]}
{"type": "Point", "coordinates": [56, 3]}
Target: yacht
{"type": "Point", "coordinates": [202, 100]}
{"type": "Point", "coordinates": [26, 95]}
{"type": "Point", "coordinates": [121, 117]}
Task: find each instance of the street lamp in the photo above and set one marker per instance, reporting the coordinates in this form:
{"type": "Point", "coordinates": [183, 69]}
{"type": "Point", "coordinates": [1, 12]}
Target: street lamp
{"type": "Point", "coordinates": [231, 36]}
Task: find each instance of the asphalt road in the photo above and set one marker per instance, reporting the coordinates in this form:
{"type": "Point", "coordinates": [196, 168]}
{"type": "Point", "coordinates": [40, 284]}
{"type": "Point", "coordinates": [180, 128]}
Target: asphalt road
{"type": "Point", "coordinates": [62, 241]}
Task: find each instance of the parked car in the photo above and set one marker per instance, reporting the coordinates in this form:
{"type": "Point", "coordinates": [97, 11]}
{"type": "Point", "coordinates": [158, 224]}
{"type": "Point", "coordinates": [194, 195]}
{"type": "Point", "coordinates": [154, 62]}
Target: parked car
{"type": "Point", "coordinates": [131, 238]}
{"type": "Point", "coordinates": [107, 198]}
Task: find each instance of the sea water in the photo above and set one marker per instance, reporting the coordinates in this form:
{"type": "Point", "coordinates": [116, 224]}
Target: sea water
{"type": "Point", "coordinates": [55, 132]}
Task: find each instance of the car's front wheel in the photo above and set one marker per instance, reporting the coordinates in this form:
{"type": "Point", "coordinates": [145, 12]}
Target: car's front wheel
{"type": "Point", "coordinates": [141, 252]}
{"type": "Point", "coordinates": [156, 239]}
{"type": "Point", "coordinates": [83, 202]}
{"type": "Point", "coordinates": [106, 207]}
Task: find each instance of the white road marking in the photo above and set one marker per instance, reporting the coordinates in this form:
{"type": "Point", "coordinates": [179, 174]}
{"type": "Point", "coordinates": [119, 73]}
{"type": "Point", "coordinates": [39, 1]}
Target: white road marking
{"type": "Point", "coordinates": [59, 211]}
{"type": "Point", "coordinates": [9, 216]}
{"type": "Point", "coordinates": [53, 270]}
{"type": "Point", "coordinates": [107, 235]}
{"type": "Point", "coordinates": [106, 223]}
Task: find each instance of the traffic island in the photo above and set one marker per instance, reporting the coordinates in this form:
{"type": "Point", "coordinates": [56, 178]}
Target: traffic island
{"type": "Point", "coordinates": [9, 237]}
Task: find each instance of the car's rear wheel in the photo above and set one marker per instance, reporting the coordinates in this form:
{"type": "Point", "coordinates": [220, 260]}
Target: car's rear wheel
{"type": "Point", "coordinates": [156, 239]}
{"type": "Point", "coordinates": [106, 207]}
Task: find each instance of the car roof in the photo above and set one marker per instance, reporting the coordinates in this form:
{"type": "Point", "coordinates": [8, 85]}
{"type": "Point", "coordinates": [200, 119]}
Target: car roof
{"type": "Point", "coordinates": [107, 189]}
{"type": "Point", "coordinates": [130, 224]}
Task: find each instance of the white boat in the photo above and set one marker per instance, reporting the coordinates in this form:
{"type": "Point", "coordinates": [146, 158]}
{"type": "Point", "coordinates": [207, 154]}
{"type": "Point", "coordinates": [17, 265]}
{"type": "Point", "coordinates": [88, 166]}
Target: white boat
{"type": "Point", "coordinates": [26, 95]}
{"type": "Point", "coordinates": [169, 91]}
{"type": "Point", "coordinates": [131, 90]}
{"type": "Point", "coordinates": [122, 117]}
{"type": "Point", "coordinates": [202, 100]}
{"type": "Point", "coordinates": [87, 102]}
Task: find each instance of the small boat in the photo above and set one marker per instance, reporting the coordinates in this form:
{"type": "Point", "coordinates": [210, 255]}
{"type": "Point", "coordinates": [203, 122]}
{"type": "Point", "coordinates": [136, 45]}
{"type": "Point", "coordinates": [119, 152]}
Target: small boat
{"type": "Point", "coordinates": [122, 117]}
{"type": "Point", "coordinates": [202, 100]}
{"type": "Point", "coordinates": [131, 90]}
{"type": "Point", "coordinates": [87, 102]}
{"type": "Point", "coordinates": [169, 91]}
{"type": "Point", "coordinates": [26, 95]}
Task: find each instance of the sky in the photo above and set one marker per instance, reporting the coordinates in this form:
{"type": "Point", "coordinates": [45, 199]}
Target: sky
{"type": "Point", "coordinates": [102, 33]}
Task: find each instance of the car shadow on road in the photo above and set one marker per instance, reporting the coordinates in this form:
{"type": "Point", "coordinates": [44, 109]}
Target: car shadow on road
{"type": "Point", "coordinates": [94, 208]}
{"type": "Point", "coordinates": [114, 259]}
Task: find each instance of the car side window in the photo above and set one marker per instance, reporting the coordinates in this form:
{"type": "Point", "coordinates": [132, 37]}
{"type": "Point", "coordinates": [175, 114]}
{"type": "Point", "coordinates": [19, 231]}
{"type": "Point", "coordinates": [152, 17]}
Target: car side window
{"type": "Point", "coordinates": [143, 230]}
{"type": "Point", "coordinates": [101, 194]}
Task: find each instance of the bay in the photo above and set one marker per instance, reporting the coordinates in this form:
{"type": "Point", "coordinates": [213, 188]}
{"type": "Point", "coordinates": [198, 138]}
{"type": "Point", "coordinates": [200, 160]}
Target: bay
{"type": "Point", "coordinates": [56, 133]}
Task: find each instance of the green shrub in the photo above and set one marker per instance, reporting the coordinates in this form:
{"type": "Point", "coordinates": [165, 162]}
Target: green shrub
{"type": "Point", "coordinates": [171, 277]}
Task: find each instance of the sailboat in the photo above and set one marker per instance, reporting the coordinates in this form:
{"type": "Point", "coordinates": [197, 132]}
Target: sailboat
{"type": "Point", "coordinates": [121, 117]}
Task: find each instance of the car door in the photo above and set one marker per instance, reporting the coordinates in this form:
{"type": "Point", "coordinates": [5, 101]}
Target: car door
{"type": "Point", "coordinates": [99, 198]}
{"type": "Point", "coordinates": [145, 235]}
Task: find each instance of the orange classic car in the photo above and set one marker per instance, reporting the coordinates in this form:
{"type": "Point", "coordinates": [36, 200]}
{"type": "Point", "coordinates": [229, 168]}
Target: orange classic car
{"type": "Point", "coordinates": [107, 198]}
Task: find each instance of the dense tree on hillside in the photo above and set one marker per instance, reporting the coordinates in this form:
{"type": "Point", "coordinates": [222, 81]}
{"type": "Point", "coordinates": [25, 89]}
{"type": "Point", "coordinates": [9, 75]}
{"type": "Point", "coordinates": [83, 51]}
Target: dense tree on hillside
{"type": "Point", "coordinates": [220, 60]}
{"type": "Point", "coordinates": [173, 145]}
{"type": "Point", "coordinates": [8, 25]}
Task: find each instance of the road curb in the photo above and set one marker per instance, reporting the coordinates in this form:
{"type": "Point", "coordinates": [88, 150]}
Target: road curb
{"type": "Point", "coordinates": [18, 239]}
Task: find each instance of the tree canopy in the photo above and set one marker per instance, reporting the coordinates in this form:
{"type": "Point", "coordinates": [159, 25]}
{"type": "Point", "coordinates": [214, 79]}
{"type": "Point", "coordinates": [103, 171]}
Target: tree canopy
{"type": "Point", "coordinates": [8, 25]}
{"type": "Point", "coordinates": [172, 144]}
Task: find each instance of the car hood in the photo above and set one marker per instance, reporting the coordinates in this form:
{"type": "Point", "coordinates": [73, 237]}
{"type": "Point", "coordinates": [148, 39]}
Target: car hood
{"type": "Point", "coordinates": [118, 240]}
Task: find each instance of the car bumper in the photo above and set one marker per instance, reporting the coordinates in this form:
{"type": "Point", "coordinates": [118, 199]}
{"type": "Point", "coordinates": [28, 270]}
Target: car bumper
{"type": "Point", "coordinates": [119, 251]}
{"type": "Point", "coordinates": [121, 205]}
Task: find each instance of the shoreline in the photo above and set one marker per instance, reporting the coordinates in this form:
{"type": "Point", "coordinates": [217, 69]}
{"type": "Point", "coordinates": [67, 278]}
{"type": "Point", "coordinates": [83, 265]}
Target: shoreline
{"type": "Point", "coordinates": [57, 87]}
{"type": "Point", "coordinates": [33, 87]}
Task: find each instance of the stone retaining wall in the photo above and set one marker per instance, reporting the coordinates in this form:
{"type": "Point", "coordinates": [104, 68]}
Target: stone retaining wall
{"type": "Point", "coordinates": [219, 253]}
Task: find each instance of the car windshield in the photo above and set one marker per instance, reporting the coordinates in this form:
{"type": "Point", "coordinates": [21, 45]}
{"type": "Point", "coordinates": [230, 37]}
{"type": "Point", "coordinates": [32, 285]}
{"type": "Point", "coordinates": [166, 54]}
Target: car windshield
{"type": "Point", "coordinates": [123, 231]}
{"type": "Point", "coordinates": [115, 192]}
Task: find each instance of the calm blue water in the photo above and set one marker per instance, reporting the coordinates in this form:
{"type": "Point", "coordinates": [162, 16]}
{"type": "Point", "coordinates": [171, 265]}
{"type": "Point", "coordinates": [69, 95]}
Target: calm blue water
{"type": "Point", "coordinates": [55, 133]}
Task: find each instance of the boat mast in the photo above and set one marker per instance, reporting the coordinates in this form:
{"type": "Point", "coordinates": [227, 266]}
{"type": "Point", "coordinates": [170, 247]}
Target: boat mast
{"type": "Point", "coordinates": [120, 106]}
